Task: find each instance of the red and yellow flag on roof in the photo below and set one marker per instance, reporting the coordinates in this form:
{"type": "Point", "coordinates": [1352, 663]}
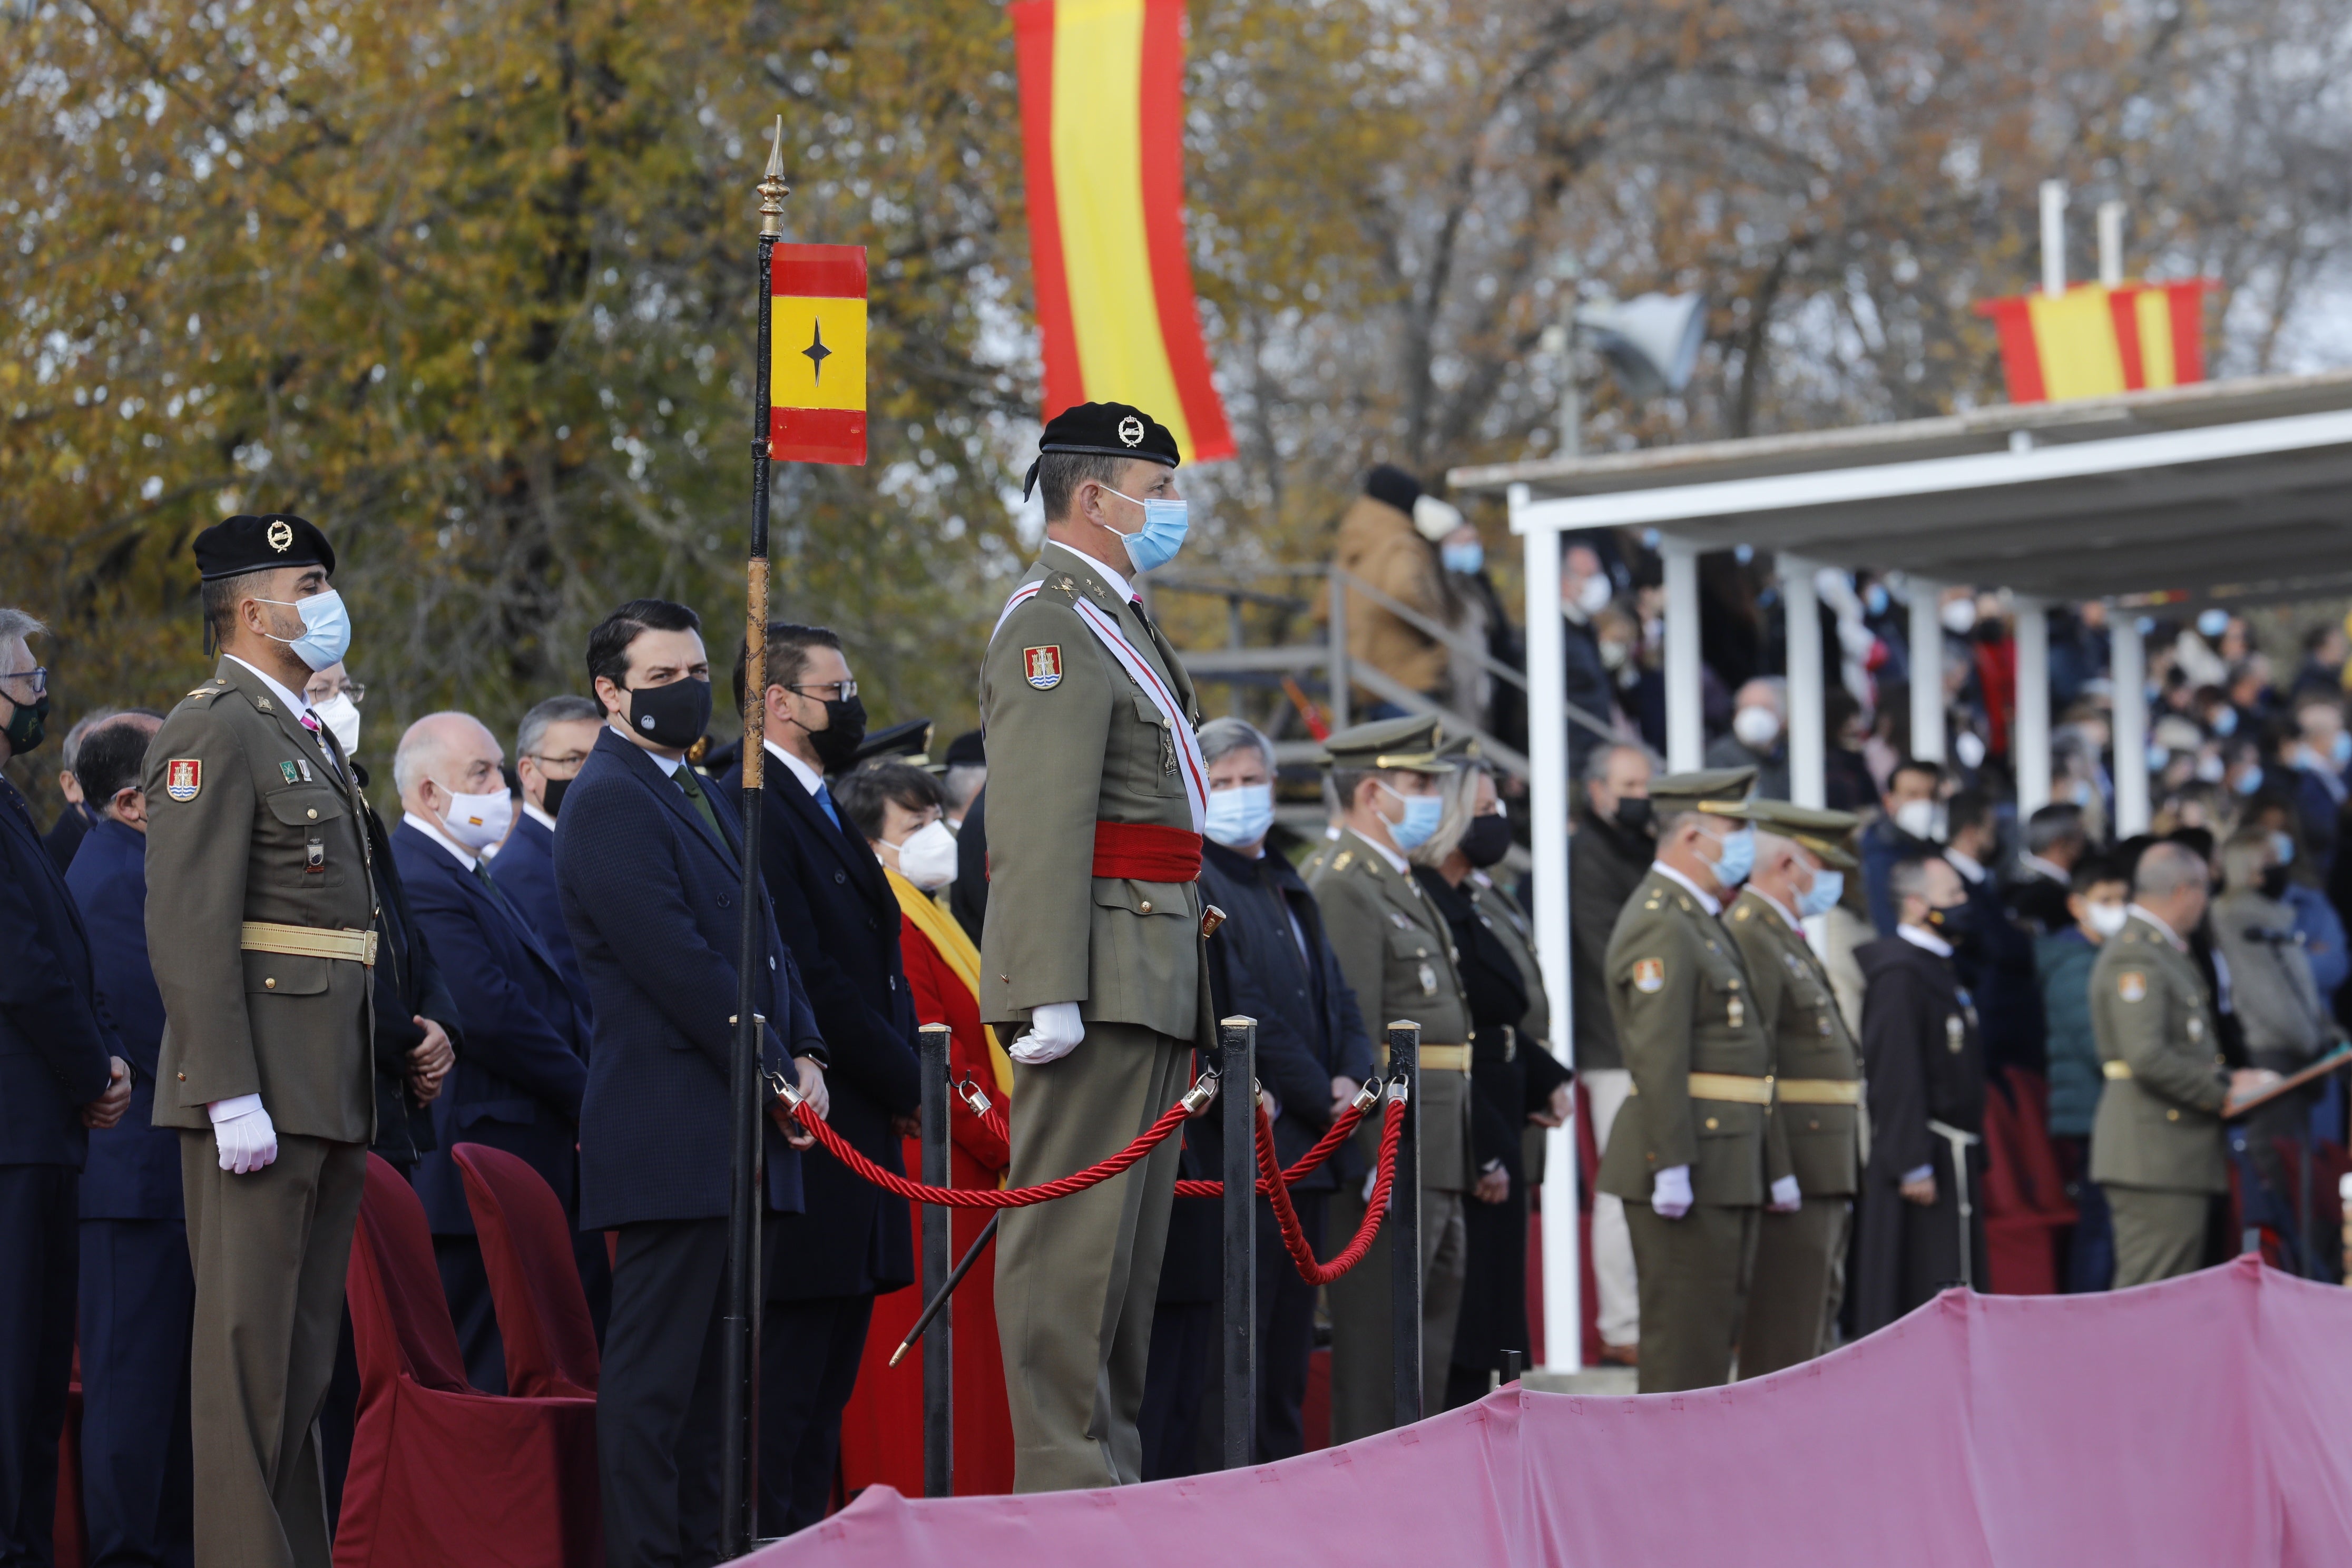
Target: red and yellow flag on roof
{"type": "Point", "coordinates": [2095, 340]}
{"type": "Point", "coordinates": [1102, 112]}
{"type": "Point", "coordinates": [816, 354]}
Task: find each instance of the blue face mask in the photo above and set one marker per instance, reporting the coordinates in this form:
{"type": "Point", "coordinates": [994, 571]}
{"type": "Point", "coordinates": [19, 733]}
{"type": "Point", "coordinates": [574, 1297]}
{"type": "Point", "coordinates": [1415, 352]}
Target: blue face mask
{"type": "Point", "coordinates": [2213, 622]}
{"type": "Point", "coordinates": [1737, 859]}
{"type": "Point", "coordinates": [2282, 848]}
{"type": "Point", "coordinates": [1239, 817]}
{"type": "Point", "coordinates": [326, 629]}
{"type": "Point", "coordinates": [2251, 780]}
{"type": "Point", "coordinates": [2341, 752]}
{"type": "Point", "coordinates": [1165, 524]}
{"type": "Point", "coordinates": [2225, 722]}
{"type": "Point", "coordinates": [1873, 600]}
{"type": "Point", "coordinates": [1422, 813]}
{"type": "Point", "coordinates": [1822, 896]}
{"type": "Point", "coordinates": [1466, 559]}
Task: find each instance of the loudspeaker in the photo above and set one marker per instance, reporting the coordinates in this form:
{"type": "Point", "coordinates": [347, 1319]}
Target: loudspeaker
{"type": "Point", "coordinates": [1651, 341]}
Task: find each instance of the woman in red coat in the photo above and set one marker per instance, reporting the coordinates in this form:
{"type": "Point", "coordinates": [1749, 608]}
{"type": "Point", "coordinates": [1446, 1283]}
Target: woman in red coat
{"type": "Point", "coordinates": [898, 808]}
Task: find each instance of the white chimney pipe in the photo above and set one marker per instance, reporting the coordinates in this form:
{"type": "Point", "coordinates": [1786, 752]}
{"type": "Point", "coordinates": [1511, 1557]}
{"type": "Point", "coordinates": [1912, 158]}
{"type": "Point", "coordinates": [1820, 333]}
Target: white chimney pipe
{"type": "Point", "coordinates": [2111, 244]}
{"type": "Point", "coordinates": [2053, 237]}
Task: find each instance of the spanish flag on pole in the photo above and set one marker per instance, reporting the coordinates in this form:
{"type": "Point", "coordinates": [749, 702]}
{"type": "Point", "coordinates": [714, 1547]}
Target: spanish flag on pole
{"type": "Point", "coordinates": [2093, 340]}
{"type": "Point", "coordinates": [1102, 121]}
{"type": "Point", "coordinates": [816, 359]}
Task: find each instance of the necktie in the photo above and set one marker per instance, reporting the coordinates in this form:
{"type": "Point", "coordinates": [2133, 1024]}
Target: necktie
{"type": "Point", "coordinates": [482, 875]}
{"type": "Point", "coordinates": [310, 723]}
{"type": "Point", "coordinates": [685, 780]}
{"type": "Point", "coordinates": [825, 804]}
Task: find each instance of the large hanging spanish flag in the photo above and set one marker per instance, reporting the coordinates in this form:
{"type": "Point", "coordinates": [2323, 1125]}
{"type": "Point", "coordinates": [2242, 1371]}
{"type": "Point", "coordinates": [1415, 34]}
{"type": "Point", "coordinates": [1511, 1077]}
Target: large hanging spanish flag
{"type": "Point", "coordinates": [816, 354]}
{"type": "Point", "coordinates": [1102, 112]}
{"type": "Point", "coordinates": [2093, 341]}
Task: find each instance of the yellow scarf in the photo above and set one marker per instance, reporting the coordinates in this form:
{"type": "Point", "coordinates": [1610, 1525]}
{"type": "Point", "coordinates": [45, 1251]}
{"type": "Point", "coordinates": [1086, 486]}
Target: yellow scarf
{"type": "Point", "coordinates": [947, 937]}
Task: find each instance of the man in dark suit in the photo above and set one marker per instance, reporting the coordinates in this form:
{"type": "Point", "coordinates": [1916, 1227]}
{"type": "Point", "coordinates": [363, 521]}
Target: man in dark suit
{"type": "Point", "coordinates": [61, 1074]}
{"type": "Point", "coordinates": [840, 920]}
{"type": "Point", "coordinates": [649, 868]}
{"type": "Point", "coordinates": [550, 745]}
{"type": "Point", "coordinates": [1271, 962]}
{"type": "Point", "coordinates": [81, 812]}
{"type": "Point", "coordinates": [138, 1290]}
{"type": "Point", "coordinates": [518, 1085]}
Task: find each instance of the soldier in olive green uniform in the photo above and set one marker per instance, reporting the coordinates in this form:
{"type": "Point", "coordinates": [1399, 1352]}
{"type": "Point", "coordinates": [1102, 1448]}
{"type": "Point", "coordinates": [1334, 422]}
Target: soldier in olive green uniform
{"type": "Point", "coordinates": [1092, 943]}
{"type": "Point", "coordinates": [1696, 1150]}
{"type": "Point", "coordinates": [2156, 1142]}
{"type": "Point", "coordinates": [1800, 868]}
{"type": "Point", "coordinates": [260, 906]}
{"type": "Point", "coordinates": [1399, 960]}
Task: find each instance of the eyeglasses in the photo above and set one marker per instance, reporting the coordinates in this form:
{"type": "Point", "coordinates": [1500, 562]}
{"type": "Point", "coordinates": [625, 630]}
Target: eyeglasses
{"type": "Point", "coordinates": [844, 690]}
{"type": "Point", "coordinates": [38, 675]}
{"type": "Point", "coordinates": [571, 760]}
{"type": "Point", "coordinates": [355, 690]}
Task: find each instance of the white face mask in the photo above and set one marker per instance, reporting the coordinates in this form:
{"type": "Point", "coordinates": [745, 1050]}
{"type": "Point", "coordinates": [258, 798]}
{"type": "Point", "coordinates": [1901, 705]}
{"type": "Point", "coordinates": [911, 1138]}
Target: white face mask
{"type": "Point", "coordinates": [1959, 616]}
{"type": "Point", "coordinates": [1592, 594]}
{"type": "Point", "coordinates": [340, 715]}
{"type": "Point", "coordinates": [927, 856]}
{"type": "Point", "coordinates": [1757, 728]}
{"type": "Point", "coordinates": [2108, 920]}
{"type": "Point", "coordinates": [1917, 818]}
{"type": "Point", "coordinates": [478, 821]}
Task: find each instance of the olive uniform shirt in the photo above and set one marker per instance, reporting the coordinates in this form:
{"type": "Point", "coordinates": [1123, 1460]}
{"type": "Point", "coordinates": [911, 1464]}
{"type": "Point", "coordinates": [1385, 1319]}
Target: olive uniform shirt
{"type": "Point", "coordinates": [1684, 1003]}
{"type": "Point", "coordinates": [250, 817]}
{"type": "Point", "coordinates": [2158, 1124]}
{"type": "Point", "coordinates": [1809, 1043]}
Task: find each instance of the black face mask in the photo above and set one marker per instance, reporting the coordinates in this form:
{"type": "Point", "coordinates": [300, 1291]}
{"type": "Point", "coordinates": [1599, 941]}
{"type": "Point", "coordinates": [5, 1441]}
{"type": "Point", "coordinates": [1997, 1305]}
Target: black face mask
{"type": "Point", "coordinates": [28, 724]}
{"type": "Point", "coordinates": [1634, 814]}
{"type": "Point", "coordinates": [1956, 923]}
{"type": "Point", "coordinates": [553, 800]}
{"type": "Point", "coordinates": [845, 730]}
{"type": "Point", "coordinates": [1486, 840]}
{"type": "Point", "coordinates": [2273, 882]}
{"type": "Point", "coordinates": [675, 715]}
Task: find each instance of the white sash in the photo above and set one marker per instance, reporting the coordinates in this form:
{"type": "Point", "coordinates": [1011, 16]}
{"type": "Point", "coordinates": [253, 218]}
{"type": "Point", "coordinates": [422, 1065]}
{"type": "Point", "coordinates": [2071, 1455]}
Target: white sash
{"type": "Point", "coordinates": [1189, 761]}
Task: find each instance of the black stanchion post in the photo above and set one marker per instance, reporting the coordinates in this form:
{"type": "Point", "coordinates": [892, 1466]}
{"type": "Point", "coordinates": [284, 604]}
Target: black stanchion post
{"type": "Point", "coordinates": [1237, 1043]}
{"type": "Point", "coordinates": [938, 1248]}
{"type": "Point", "coordinates": [1404, 1222]}
{"type": "Point", "coordinates": [740, 1362]}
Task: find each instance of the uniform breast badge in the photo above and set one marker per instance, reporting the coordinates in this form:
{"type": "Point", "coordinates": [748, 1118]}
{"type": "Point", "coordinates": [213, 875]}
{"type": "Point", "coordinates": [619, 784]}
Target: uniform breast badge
{"type": "Point", "coordinates": [1955, 1033]}
{"type": "Point", "coordinates": [1734, 1013]}
{"type": "Point", "coordinates": [286, 771]}
{"type": "Point", "coordinates": [1042, 665]}
{"type": "Point", "coordinates": [1649, 976]}
{"type": "Point", "coordinates": [1428, 981]}
{"type": "Point", "coordinates": [183, 777]}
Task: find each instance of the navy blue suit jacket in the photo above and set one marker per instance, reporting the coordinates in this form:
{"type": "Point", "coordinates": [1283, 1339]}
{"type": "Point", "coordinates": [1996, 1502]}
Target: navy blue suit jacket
{"type": "Point", "coordinates": [652, 901]}
{"type": "Point", "coordinates": [840, 920]}
{"type": "Point", "coordinates": [525, 867]}
{"type": "Point", "coordinates": [54, 1035]}
{"type": "Point", "coordinates": [520, 1079]}
{"type": "Point", "coordinates": [133, 1172]}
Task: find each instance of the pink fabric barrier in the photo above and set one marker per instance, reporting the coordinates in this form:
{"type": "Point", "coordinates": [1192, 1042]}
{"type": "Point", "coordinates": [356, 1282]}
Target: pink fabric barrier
{"type": "Point", "coordinates": [2202, 1421]}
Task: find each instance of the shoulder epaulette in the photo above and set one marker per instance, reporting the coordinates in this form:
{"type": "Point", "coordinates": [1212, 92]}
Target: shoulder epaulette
{"type": "Point", "coordinates": [209, 689]}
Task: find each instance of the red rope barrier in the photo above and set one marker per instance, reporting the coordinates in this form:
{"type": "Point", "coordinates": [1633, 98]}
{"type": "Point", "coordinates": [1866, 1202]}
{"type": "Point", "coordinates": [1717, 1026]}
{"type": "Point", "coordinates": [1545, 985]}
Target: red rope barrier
{"type": "Point", "coordinates": [1302, 1255]}
{"type": "Point", "coordinates": [1325, 1147]}
{"type": "Point", "coordinates": [990, 1198]}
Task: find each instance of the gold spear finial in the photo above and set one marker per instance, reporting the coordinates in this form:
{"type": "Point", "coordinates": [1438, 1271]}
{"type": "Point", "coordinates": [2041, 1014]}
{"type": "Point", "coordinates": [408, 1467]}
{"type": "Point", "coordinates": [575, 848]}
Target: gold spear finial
{"type": "Point", "coordinates": [773, 189]}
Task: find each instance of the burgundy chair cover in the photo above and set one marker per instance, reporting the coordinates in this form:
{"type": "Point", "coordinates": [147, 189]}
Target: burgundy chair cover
{"type": "Point", "coordinates": [2025, 1193]}
{"type": "Point", "coordinates": [551, 1340]}
{"type": "Point", "coordinates": [2204, 1420]}
{"type": "Point", "coordinates": [440, 1473]}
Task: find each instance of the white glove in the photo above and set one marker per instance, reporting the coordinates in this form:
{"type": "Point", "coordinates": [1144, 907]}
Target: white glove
{"type": "Point", "coordinates": [1055, 1031]}
{"type": "Point", "coordinates": [248, 1138]}
{"type": "Point", "coordinates": [1786, 1198]}
{"type": "Point", "coordinates": [1670, 1192]}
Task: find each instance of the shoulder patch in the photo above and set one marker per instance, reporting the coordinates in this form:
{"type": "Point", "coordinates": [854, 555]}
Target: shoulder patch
{"type": "Point", "coordinates": [1042, 665]}
{"type": "Point", "coordinates": [183, 777]}
{"type": "Point", "coordinates": [2131, 986]}
{"type": "Point", "coordinates": [1649, 976]}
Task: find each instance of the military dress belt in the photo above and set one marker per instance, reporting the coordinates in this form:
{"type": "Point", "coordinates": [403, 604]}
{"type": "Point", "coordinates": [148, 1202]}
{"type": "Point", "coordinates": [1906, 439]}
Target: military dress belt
{"type": "Point", "coordinates": [1434, 1058]}
{"type": "Point", "coordinates": [1147, 852]}
{"type": "Point", "coordinates": [2116, 1069]}
{"type": "Point", "coordinates": [1729, 1086]}
{"type": "Point", "coordinates": [307, 941]}
{"type": "Point", "coordinates": [1818, 1090]}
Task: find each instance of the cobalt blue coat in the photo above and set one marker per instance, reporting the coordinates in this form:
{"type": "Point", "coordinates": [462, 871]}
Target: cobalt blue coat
{"type": "Point", "coordinates": [133, 1171]}
{"type": "Point", "coordinates": [652, 900]}
{"type": "Point", "coordinates": [55, 1037]}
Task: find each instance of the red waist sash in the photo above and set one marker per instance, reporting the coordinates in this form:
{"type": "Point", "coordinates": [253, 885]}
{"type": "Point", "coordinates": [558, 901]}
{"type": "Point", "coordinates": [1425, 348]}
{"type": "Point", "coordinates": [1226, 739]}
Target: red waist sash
{"type": "Point", "coordinates": [1147, 852]}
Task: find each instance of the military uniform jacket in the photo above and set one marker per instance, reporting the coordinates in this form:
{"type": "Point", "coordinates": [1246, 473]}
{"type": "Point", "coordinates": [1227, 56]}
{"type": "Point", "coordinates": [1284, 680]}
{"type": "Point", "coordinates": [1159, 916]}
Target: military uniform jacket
{"type": "Point", "coordinates": [1810, 1040]}
{"type": "Point", "coordinates": [1684, 1003]}
{"type": "Point", "coordinates": [1399, 959]}
{"type": "Point", "coordinates": [250, 817]}
{"type": "Point", "coordinates": [2150, 1010]}
{"type": "Point", "coordinates": [1074, 739]}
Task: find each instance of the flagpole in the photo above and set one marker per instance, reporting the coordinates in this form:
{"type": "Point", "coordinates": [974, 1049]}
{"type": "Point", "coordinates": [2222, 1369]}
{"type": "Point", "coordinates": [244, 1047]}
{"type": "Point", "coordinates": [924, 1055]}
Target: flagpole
{"type": "Point", "coordinates": [739, 1447]}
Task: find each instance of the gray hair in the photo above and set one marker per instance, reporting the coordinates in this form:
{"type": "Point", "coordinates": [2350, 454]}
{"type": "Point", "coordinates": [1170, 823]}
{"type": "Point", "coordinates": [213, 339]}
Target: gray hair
{"type": "Point", "coordinates": [15, 624]}
{"type": "Point", "coordinates": [2167, 867]}
{"type": "Point", "coordinates": [1908, 878]}
{"type": "Point", "coordinates": [2058, 822]}
{"type": "Point", "coordinates": [1220, 737]}
{"type": "Point", "coordinates": [961, 783]}
{"type": "Point", "coordinates": [1596, 765]}
{"type": "Point", "coordinates": [421, 746]}
{"type": "Point", "coordinates": [534, 728]}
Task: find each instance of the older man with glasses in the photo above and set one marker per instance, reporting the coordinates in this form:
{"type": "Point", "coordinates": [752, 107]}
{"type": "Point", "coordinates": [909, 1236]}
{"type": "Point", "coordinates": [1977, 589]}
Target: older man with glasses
{"type": "Point", "coordinates": [553, 739]}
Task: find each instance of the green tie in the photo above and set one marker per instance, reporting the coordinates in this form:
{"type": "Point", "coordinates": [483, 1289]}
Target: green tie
{"type": "Point", "coordinates": [685, 779]}
{"type": "Point", "coordinates": [482, 871]}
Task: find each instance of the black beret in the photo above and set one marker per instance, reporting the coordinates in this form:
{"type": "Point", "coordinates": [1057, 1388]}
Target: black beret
{"type": "Point", "coordinates": [1105, 430]}
{"type": "Point", "coordinates": [904, 743]}
{"type": "Point", "coordinates": [1391, 484]}
{"type": "Point", "coordinates": [248, 544]}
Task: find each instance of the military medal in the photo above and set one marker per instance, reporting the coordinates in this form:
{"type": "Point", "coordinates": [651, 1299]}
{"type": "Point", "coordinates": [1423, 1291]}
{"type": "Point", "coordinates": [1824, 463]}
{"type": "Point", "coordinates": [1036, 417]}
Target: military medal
{"type": "Point", "coordinates": [1428, 981]}
{"type": "Point", "coordinates": [1734, 1013]}
{"type": "Point", "coordinates": [1955, 1033]}
{"type": "Point", "coordinates": [303, 768]}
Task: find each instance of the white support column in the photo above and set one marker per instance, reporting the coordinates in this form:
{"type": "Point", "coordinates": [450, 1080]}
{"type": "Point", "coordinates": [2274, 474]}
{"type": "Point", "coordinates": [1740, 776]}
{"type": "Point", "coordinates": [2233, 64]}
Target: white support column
{"type": "Point", "coordinates": [1926, 672]}
{"type": "Point", "coordinates": [1808, 727]}
{"type": "Point", "coordinates": [2029, 743]}
{"type": "Point", "coordinates": [1686, 717]}
{"type": "Point", "coordinates": [1548, 788]}
{"type": "Point", "coordinates": [2128, 671]}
